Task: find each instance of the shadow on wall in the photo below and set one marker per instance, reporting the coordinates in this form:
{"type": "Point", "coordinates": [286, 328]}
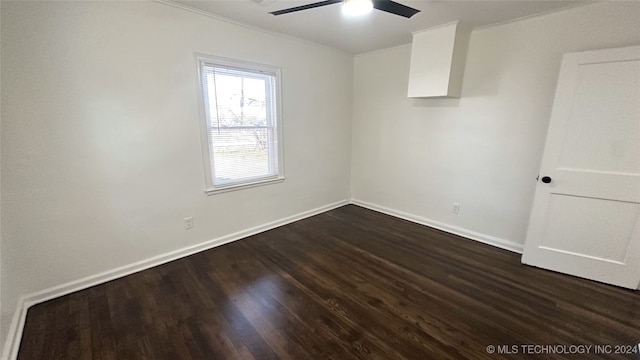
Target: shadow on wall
{"type": "Point", "coordinates": [435, 102]}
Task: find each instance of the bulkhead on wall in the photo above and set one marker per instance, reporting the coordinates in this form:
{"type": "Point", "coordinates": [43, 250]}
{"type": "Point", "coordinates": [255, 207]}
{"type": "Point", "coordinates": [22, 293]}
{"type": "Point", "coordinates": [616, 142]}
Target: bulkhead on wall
{"type": "Point", "coordinates": [437, 61]}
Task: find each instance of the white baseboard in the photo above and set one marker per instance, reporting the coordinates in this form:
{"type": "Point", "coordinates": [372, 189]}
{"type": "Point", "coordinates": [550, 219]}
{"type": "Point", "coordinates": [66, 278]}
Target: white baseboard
{"type": "Point", "coordinates": [12, 344]}
{"type": "Point", "coordinates": [483, 238]}
{"type": "Point", "coordinates": [14, 335]}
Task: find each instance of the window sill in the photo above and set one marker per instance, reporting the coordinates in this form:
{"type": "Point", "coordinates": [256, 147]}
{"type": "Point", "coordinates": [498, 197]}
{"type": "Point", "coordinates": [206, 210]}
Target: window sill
{"type": "Point", "coordinates": [234, 187]}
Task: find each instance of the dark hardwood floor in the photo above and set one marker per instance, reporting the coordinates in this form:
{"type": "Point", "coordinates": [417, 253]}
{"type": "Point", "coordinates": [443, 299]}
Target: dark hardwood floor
{"type": "Point", "coordinates": [347, 284]}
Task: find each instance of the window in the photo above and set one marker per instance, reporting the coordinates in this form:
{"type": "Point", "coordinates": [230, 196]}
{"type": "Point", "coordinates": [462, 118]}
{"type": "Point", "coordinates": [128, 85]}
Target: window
{"type": "Point", "coordinates": [242, 138]}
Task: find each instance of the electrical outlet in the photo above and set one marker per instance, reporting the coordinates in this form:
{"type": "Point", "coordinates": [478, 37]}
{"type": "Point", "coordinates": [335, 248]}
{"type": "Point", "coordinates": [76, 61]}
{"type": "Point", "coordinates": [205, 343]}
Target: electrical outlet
{"type": "Point", "coordinates": [188, 223]}
{"type": "Point", "coordinates": [456, 208]}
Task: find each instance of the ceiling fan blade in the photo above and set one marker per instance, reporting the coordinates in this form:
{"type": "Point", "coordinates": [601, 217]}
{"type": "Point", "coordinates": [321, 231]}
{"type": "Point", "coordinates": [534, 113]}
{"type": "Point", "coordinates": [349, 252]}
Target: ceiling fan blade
{"type": "Point", "coordinates": [305, 7]}
{"type": "Point", "coordinates": [394, 8]}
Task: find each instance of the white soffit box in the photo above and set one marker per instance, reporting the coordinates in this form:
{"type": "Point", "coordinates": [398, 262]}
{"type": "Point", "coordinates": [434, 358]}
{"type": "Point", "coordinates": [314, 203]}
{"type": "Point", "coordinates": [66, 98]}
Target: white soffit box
{"type": "Point", "coordinates": [437, 61]}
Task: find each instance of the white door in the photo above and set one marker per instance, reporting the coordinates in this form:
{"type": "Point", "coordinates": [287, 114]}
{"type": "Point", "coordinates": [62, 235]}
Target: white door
{"type": "Point", "coordinates": [586, 220]}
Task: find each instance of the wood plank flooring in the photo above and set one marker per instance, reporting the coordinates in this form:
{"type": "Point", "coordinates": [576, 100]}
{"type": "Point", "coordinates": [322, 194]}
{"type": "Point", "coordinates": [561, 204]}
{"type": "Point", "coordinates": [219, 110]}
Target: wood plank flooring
{"type": "Point", "coordinates": [346, 284]}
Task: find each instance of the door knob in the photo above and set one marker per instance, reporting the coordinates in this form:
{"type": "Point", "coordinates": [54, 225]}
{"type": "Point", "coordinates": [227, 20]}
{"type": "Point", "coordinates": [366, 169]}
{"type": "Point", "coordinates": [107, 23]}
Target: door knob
{"type": "Point", "coordinates": [546, 179]}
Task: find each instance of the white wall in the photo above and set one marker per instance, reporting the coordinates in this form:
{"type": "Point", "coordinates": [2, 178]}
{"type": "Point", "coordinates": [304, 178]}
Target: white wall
{"type": "Point", "coordinates": [483, 150]}
{"type": "Point", "coordinates": [101, 155]}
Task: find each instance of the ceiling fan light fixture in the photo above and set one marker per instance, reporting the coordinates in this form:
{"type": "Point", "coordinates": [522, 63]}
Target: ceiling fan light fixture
{"type": "Point", "coordinates": [356, 7]}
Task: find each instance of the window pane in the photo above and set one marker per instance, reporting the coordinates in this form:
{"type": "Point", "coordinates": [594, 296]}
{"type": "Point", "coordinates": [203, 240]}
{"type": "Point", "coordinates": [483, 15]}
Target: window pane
{"type": "Point", "coordinates": [236, 100]}
{"type": "Point", "coordinates": [240, 154]}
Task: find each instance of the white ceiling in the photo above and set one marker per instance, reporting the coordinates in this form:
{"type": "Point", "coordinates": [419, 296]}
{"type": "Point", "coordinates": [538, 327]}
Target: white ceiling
{"type": "Point", "coordinates": [378, 30]}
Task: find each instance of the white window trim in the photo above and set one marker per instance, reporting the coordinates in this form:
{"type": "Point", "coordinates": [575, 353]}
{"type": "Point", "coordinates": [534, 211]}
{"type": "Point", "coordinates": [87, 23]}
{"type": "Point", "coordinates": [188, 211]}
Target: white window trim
{"type": "Point", "coordinates": [210, 188]}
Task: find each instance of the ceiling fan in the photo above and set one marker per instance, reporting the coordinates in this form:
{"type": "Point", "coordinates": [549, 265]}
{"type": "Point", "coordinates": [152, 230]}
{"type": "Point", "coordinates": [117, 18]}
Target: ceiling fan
{"type": "Point", "coordinates": [357, 7]}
